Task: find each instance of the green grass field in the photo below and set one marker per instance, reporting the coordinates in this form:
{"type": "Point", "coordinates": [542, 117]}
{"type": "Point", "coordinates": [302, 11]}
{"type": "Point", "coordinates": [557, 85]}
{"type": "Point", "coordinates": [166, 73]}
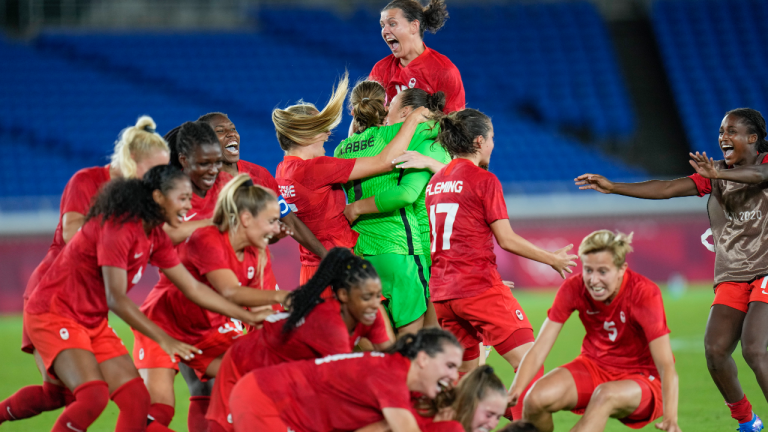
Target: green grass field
{"type": "Point", "coordinates": [701, 406]}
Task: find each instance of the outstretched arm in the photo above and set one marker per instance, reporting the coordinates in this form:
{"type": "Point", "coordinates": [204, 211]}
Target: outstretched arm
{"type": "Point", "coordinates": [533, 360]}
{"type": "Point", "coordinates": [661, 351]}
{"type": "Point", "coordinates": [510, 241]}
{"type": "Point", "coordinates": [752, 174]}
{"type": "Point", "coordinates": [400, 420]}
{"type": "Point", "coordinates": [185, 230]}
{"type": "Point", "coordinates": [304, 236]}
{"type": "Point", "coordinates": [652, 189]}
{"type": "Point", "coordinates": [226, 283]}
{"type": "Point", "coordinates": [404, 194]}
{"type": "Point", "coordinates": [414, 159]}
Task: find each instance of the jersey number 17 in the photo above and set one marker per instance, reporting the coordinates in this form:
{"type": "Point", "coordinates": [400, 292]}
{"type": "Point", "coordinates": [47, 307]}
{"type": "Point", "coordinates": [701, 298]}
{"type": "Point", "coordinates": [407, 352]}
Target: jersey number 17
{"type": "Point", "coordinates": [450, 209]}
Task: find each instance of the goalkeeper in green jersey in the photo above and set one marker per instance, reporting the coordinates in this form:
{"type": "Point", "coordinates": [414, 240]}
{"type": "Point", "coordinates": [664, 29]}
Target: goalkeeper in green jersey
{"type": "Point", "coordinates": [387, 210]}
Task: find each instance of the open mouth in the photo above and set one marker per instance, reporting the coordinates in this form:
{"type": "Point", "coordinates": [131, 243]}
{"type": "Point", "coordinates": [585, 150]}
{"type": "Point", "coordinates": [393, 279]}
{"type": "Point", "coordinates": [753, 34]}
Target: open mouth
{"type": "Point", "coordinates": [233, 147]}
{"type": "Point", "coordinates": [369, 316]}
{"type": "Point", "coordinates": [393, 43]}
{"type": "Point", "coordinates": [209, 181]}
{"type": "Point", "coordinates": [180, 216]}
{"type": "Point", "coordinates": [598, 291]}
{"type": "Point", "coordinates": [443, 384]}
{"type": "Point", "coordinates": [727, 150]}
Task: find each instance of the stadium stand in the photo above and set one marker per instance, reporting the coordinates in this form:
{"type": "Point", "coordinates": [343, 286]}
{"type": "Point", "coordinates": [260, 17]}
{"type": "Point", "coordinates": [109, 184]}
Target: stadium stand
{"type": "Point", "coordinates": [715, 53]}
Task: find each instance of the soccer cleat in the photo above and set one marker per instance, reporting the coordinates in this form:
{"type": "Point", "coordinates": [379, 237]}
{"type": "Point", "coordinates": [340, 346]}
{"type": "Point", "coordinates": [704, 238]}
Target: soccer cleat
{"type": "Point", "coordinates": [754, 425]}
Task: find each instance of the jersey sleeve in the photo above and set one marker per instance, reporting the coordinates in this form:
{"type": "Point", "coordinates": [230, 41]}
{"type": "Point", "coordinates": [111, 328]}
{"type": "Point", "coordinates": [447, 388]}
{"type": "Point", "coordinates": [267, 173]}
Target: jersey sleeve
{"type": "Point", "coordinates": [77, 194]}
{"type": "Point", "coordinates": [205, 253]}
{"type": "Point", "coordinates": [115, 244]}
{"type": "Point", "coordinates": [378, 74]}
{"type": "Point", "coordinates": [564, 303]}
{"type": "Point", "coordinates": [703, 184]}
{"type": "Point", "coordinates": [387, 395]}
{"type": "Point", "coordinates": [494, 204]}
{"type": "Point", "coordinates": [410, 187]}
{"type": "Point", "coordinates": [164, 254]}
{"type": "Point", "coordinates": [377, 332]}
{"type": "Point", "coordinates": [325, 171]}
{"type": "Point", "coordinates": [454, 90]}
{"type": "Point", "coordinates": [648, 311]}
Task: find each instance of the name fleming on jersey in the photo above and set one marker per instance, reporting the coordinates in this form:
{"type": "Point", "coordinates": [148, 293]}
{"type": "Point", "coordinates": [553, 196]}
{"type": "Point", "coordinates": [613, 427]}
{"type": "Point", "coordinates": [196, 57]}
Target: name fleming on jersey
{"type": "Point", "coordinates": [444, 187]}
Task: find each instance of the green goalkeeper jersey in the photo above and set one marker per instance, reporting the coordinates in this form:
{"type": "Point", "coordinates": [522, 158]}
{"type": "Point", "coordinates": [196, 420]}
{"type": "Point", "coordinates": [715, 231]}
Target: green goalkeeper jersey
{"type": "Point", "coordinates": [397, 231]}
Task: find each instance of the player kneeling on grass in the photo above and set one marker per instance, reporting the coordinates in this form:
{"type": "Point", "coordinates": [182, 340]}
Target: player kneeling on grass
{"type": "Point", "coordinates": [626, 368]}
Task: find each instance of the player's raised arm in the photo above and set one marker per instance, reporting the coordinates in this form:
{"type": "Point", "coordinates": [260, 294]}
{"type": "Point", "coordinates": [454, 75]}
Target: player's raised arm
{"type": "Point", "coordinates": [652, 189]}
{"type": "Point", "coordinates": [661, 351]}
{"type": "Point", "coordinates": [534, 359]}
{"type": "Point", "coordinates": [560, 260]}
{"type": "Point", "coordinates": [749, 174]}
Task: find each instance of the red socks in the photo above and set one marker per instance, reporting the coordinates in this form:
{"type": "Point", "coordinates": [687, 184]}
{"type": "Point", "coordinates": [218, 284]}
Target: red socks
{"type": "Point", "coordinates": [90, 400]}
{"type": "Point", "coordinates": [33, 400]}
{"type": "Point", "coordinates": [198, 406]}
{"type": "Point", "coordinates": [161, 413]}
{"type": "Point", "coordinates": [516, 412]}
{"type": "Point", "coordinates": [133, 400]}
{"type": "Point", "coordinates": [741, 410]}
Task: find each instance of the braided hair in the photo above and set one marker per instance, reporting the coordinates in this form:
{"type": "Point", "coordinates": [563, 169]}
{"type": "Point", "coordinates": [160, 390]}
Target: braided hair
{"type": "Point", "coordinates": [184, 139]}
{"type": "Point", "coordinates": [755, 125]}
{"type": "Point", "coordinates": [458, 131]}
{"type": "Point", "coordinates": [341, 269]}
{"type": "Point", "coordinates": [429, 340]}
{"type": "Point", "coordinates": [131, 199]}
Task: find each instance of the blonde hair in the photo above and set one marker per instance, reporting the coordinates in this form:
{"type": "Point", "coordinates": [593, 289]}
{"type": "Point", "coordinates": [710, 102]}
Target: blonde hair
{"type": "Point", "coordinates": [135, 143]}
{"type": "Point", "coordinates": [617, 243]}
{"type": "Point", "coordinates": [238, 195]}
{"type": "Point", "coordinates": [299, 124]}
{"type": "Point", "coordinates": [367, 104]}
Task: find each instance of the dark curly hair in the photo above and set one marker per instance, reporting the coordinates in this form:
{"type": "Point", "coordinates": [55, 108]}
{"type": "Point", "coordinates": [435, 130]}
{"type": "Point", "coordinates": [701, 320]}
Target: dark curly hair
{"type": "Point", "coordinates": [431, 18]}
{"type": "Point", "coordinates": [340, 269]}
{"type": "Point", "coordinates": [430, 340]}
{"type": "Point", "coordinates": [184, 139]}
{"type": "Point", "coordinates": [126, 200]}
{"type": "Point", "coordinates": [459, 129]}
{"type": "Point", "coordinates": [417, 98]}
{"type": "Point", "coordinates": [755, 125]}
{"type": "Point", "coordinates": [206, 118]}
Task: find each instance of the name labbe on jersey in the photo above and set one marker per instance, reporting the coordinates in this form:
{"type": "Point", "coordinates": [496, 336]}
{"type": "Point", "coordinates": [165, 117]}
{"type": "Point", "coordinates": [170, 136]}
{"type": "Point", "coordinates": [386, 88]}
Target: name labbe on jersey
{"type": "Point", "coordinates": [356, 146]}
{"type": "Point", "coordinates": [455, 186]}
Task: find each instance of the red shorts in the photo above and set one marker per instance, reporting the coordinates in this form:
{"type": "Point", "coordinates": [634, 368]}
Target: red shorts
{"type": "Point", "coordinates": [307, 271]}
{"type": "Point", "coordinates": [147, 354]}
{"type": "Point", "coordinates": [26, 343]}
{"type": "Point", "coordinates": [226, 378]}
{"type": "Point", "coordinates": [252, 410]}
{"type": "Point", "coordinates": [52, 333]}
{"type": "Point", "coordinates": [739, 295]}
{"type": "Point", "coordinates": [588, 375]}
{"type": "Point", "coordinates": [492, 317]}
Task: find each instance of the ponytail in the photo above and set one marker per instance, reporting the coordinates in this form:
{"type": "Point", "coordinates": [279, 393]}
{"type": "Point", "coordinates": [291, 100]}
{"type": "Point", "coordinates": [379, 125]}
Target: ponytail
{"type": "Point", "coordinates": [367, 104]}
{"type": "Point", "coordinates": [340, 269]}
{"type": "Point", "coordinates": [430, 340]}
{"type": "Point", "coordinates": [431, 18]}
{"type": "Point", "coordinates": [135, 143]}
{"type": "Point", "coordinates": [458, 131]}
{"type": "Point", "coordinates": [417, 98]}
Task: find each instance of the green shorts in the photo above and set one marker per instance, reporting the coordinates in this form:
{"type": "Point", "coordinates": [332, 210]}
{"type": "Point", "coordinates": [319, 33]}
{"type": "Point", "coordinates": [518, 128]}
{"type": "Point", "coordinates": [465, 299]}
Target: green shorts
{"type": "Point", "coordinates": [405, 284]}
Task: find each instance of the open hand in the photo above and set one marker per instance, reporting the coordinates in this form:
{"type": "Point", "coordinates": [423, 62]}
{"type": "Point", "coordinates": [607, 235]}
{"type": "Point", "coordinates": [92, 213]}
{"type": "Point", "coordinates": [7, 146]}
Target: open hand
{"type": "Point", "coordinates": [414, 159]}
{"type": "Point", "coordinates": [174, 348]}
{"type": "Point", "coordinates": [703, 165]}
{"type": "Point", "coordinates": [509, 284]}
{"type": "Point", "coordinates": [255, 318]}
{"type": "Point", "coordinates": [513, 397]}
{"type": "Point", "coordinates": [420, 114]}
{"type": "Point", "coordinates": [594, 181]}
{"type": "Point", "coordinates": [563, 260]}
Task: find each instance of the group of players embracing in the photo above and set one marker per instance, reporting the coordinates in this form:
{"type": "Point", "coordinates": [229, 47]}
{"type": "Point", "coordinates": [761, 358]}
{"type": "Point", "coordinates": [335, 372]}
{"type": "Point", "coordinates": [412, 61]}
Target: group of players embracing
{"type": "Point", "coordinates": [398, 284]}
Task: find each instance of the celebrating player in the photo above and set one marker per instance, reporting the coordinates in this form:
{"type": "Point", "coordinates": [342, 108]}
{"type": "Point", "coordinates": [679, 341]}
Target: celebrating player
{"type": "Point", "coordinates": [66, 316]}
{"type": "Point", "coordinates": [138, 149]}
{"type": "Point", "coordinates": [738, 200]}
{"type": "Point", "coordinates": [412, 64]}
{"type": "Point", "coordinates": [347, 391]}
{"type": "Point", "coordinates": [466, 211]}
{"type": "Point", "coordinates": [230, 257]}
{"type": "Point", "coordinates": [314, 327]}
{"type": "Point", "coordinates": [390, 240]}
{"type": "Point", "coordinates": [229, 139]}
{"type": "Point", "coordinates": [626, 369]}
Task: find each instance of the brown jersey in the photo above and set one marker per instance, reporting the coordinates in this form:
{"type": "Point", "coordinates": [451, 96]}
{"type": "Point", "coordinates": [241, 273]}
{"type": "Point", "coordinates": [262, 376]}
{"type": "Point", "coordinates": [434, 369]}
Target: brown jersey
{"type": "Point", "coordinates": [738, 215]}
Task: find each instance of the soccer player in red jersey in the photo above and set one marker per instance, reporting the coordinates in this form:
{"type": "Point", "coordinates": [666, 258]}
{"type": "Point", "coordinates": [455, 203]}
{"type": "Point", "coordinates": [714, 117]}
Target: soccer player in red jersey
{"type": "Point", "coordinates": [626, 369]}
{"type": "Point", "coordinates": [311, 182]}
{"type": "Point", "coordinates": [66, 316]}
{"type": "Point", "coordinates": [347, 391]}
{"type": "Point", "coordinates": [315, 327]}
{"type": "Point", "coordinates": [230, 257]}
{"type": "Point", "coordinates": [737, 204]}
{"type": "Point", "coordinates": [412, 64]}
{"type": "Point", "coordinates": [137, 150]}
{"type": "Point", "coordinates": [466, 211]}
{"type": "Point", "coordinates": [229, 139]}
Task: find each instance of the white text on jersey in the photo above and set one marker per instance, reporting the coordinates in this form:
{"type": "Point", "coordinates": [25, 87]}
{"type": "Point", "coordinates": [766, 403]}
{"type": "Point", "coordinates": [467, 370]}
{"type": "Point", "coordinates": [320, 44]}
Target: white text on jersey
{"type": "Point", "coordinates": [444, 187]}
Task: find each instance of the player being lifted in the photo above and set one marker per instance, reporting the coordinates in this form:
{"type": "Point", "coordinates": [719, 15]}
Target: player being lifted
{"type": "Point", "coordinates": [737, 205]}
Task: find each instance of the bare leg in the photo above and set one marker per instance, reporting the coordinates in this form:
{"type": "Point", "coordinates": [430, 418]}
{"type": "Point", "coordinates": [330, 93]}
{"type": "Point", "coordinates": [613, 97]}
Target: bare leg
{"type": "Point", "coordinates": [754, 341]}
{"type": "Point", "coordinates": [720, 338]}
{"type": "Point", "coordinates": [616, 399]}
{"type": "Point", "coordinates": [515, 356]}
{"type": "Point", "coordinates": [159, 382]}
{"type": "Point", "coordinates": [468, 365]}
{"type": "Point", "coordinates": [430, 316]}
{"type": "Point", "coordinates": [411, 328]}
{"type": "Point", "coordinates": [556, 391]}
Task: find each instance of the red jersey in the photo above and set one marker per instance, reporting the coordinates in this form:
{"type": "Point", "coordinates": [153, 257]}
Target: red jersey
{"type": "Point", "coordinates": [339, 392]}
{"type": "Point", "coordinates": [463, 200]}
{"type": "Point", "coordinates": [618, 333]}
{"type": "Point", "coordinates": [77, 196]}
{"type": "Point", "coordinates": [259, 175]}
{"type": "Point", "coordinates": [313, 190]}
{"type": "Point", "coordinates": [376, 332]}
{"type": "Point", "coordinates": [74, 285]}
{"type": "Point", "coordinates": [206, 250]}
{"type": "Point", "coordinates": [430, 71]}
{"type": "Point", "coordinates": [203, 207]}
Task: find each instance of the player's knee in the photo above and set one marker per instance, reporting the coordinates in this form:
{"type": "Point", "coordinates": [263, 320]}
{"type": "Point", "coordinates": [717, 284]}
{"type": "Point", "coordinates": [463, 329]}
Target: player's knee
{"type": "Point", "coordinates": [715, 354]}
{"type": "Point", "coordinates": [754, 354]}
{"type": "Point", "coordinates": [604, 395]}
{"type": "Point", "coordinates": [538, 400]}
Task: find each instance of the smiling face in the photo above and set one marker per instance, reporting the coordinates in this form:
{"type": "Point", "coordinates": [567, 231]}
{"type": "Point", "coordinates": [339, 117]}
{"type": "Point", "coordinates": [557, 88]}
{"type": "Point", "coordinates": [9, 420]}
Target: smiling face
{"type": "Point", "coordinates": [202, 165]}
{"type": "Point", "coordinates": [398, 33]}
{"type": "Point", "coordinates": [435, 373]}
{"type": "Point", "coordinates": [229, 138]}
{"type": "Point", "coordinates": [489, 411]}
{"type": "Point", "coordinates": [362, 300]}
{"type": "Point", "coordinates": [154, 158]}
{"type": "Point", "coordinates": [735, 140]}
{"type": "Point", "coordinates": [176, 202]}
{"type": "Point", "coordinates": [601, 276]}
{"type": "Point", "coordinates": [261, 228]}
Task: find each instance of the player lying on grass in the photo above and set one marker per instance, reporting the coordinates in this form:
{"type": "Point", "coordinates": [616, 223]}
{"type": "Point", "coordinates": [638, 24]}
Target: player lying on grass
{"type": "Point", "coordinates": [626, 369]}
{"type": "Point", "coordinates": [737, 205]}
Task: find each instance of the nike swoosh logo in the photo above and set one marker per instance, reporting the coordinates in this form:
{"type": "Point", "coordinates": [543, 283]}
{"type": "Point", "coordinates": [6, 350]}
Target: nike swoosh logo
{"type": "Point", "coordinates": [188, 217]}
{"type": "Point", "coordinates": [69, 425]}
{"type": "Point", "coordinates": [10, 413]}
{"type": "Point", "coordinates": [138, 255]}
{"type": "Point", "coordinates": [765, 292]}
{"type": "Point", "coordinates": [592, 312]}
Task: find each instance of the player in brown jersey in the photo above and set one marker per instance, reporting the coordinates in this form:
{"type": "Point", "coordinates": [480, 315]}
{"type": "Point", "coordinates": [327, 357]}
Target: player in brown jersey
{"type": "Point", "coordinates": [737, 207]}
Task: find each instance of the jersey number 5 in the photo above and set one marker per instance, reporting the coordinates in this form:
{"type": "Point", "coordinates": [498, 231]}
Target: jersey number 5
{"type": "Point", "coordinates": [610, 327]}
{"type": "Point", "coordinates": [451, 209]}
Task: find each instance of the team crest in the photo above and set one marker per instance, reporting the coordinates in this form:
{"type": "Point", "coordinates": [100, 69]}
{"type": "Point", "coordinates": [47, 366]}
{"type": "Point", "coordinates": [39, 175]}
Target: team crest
{"type": "Point", "coordinates": [64, 333]}
{"type": "Point", "coordinates": [251, 272]}
{"type": "Point", "coordinates": [412, 83]}
{"type": "Point", "coordinates": [519, 315]}
{"type": "Point", "coordinates": [621, 315]}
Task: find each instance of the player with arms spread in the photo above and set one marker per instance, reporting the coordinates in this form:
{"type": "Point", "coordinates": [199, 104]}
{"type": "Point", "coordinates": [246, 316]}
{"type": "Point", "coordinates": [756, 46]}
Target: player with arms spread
{"type": "Point", "coordinates": [626, 369]}
{"type": "Point", "coordinates": [466, 211]}
{"type": "Point", "coordinates": [348, 391]}
{"type": "Point", "coordinates": [412, 64]}
{"type": "Point", "coordinates": [737, 207]}
{"type": "Point", "coordinates": [315, 327]}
